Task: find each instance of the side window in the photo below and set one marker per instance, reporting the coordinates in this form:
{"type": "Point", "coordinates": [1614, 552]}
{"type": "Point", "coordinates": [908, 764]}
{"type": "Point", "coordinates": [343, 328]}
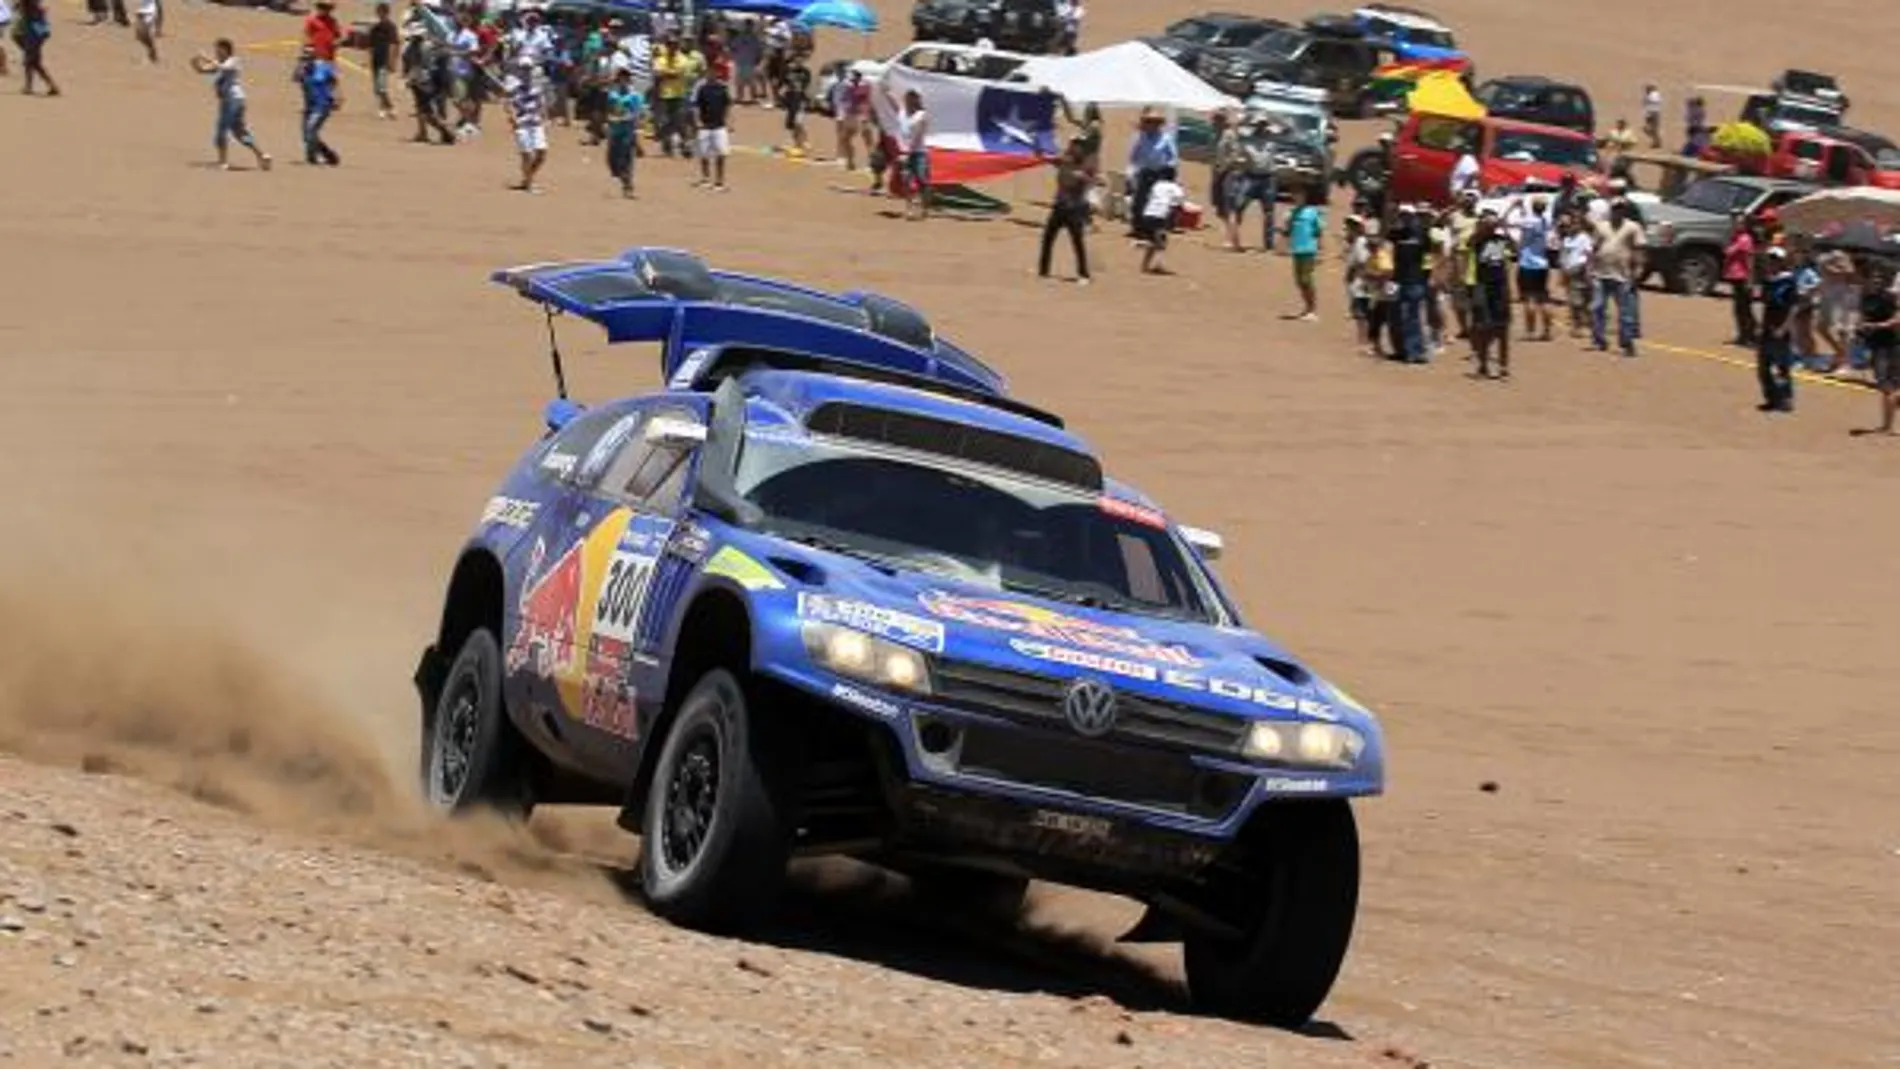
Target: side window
{"type": "Point", "coordinates": [1144, 578]}
{"type": "Point", "coordinates": [1440, 133]}
{"type": "Point", "coordinates": [581, 449]}
{"type": "Point", "coordinates": [648, 475]}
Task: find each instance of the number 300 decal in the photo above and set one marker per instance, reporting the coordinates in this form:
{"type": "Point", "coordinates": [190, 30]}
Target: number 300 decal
{"type": "Point", "coordinates": [621, 596]}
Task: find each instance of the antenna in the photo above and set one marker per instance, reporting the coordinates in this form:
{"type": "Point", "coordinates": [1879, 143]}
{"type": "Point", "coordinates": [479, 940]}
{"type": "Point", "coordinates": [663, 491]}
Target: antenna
{"type": "Point", "coordinates": [554, 353]}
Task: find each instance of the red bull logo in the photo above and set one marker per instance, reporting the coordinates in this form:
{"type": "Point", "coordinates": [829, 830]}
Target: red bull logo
{"type": "Point", "coordinates": [549, 607]}
{"type": "Point", "coordinates": [1019, 618]}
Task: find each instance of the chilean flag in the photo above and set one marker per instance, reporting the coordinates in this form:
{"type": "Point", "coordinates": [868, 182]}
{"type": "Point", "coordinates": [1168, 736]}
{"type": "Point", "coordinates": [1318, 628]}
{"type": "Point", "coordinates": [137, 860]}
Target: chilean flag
{"type": "Point", "coordinates": [978, 129]}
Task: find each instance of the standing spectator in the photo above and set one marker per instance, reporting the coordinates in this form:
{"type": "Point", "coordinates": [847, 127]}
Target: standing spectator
{"type": "Point", "coordinates": [1531, 223]}
{"type": "Point", "coordinates": [1577, 247]}
{"type": "Point", "coordinates": [382, 59]}
{"type": "Point", "coordinates": [1492, 254]}
{"type": "Point", "coordinates": [1153, 150]}
{"type": "Point", "coordinates": [747, 52]}
{"type": "Point", "coordinates": [624, 104]}
{"type": "Point", "coordinates": [1838, 302]}
{"type": "Point", "coordinates": [145, 28]}
{"type": "Point", "coordinates": [692, 71]}
{"type": "Point", "coordinates": [224, 71]}
{"type": "Point", "coordinates": [1069, 15]}
{"type": "Point", "coordinates": [1466, 172]}
{"type": "Point", "coordinates": [1255, 181]}
{"type": "Point", "coordinates": [1165, 196]}
{"type": "Point", "coordinates": [853, 108]}
{"type": "Point", "coordinates": [1880, 326]}
{"type": "Point", "coordinates": [31, 30]}
{"type": "Point", "coordinates": [1303, 232]}
{"type": "Point", "coordinates": [1358, 259]}
{"type": "Point", "coordinates": [778, 50]}
{"type": "Point", "coordinates": [465, 47]}
{"type": "Point", "coordinates": [1619, 140]}
{"type": "Point", "coordinates": [1069, 210]}
{"type": "Point", "coordinates": [317, 77]}
{"type": "Point", "coordinates": [1411, 275]}
{"type": "Point", "coordinates": [6, 26]}
{"type": "Point", "coordinates": [1738, 272]}
{"type": "Point", "coordinates": [1774, 357]}
{"type": "Point", "coordinates": [1461, 225]}
{"type": "Point", "coordinates": [712, 107]}
{"type": "Point", "coordinates": [1652, 115]}
{"type": "Point", "coordinates": [527, 112]}
{"type": "Point", "coordinates": [669, 95]}
{"type": "Point", "coordinates": [422, 72]}
{"type": "Point", "coordinates": [1807, 288]}
{"type": "Point", "coordinates": [1615, 266]}
{"type": "Point", "coordinates": [1381, 293]}
{"type": "Point", "coordinates": [1227, 166]}
{"type": "Point", "coordinates": [913, 136]}
{"type": "Point", "coordinates": [321, 31]}
{"type": "Point", "coordinates": [794, 97]}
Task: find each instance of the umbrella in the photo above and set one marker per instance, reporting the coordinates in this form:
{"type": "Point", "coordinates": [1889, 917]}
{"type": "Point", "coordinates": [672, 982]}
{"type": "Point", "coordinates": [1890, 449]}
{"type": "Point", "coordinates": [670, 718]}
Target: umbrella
{"type": "Point", "coordinates": [844, 14]}
{"type": "Point", "coordinates": [1861, 237]}
{"type": "Point", "coordinates": [1831, 208]}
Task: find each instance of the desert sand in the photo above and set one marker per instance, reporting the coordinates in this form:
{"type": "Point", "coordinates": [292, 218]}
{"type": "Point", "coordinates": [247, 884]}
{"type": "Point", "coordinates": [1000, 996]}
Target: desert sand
{"type": "Point", "coordinates": [247, 419]}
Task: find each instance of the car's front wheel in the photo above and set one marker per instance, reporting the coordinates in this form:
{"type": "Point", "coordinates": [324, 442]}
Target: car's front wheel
{"type": "Point", "coordinates": [1295, 906]}
{"type": "Point", "coordinates": [472, 754]}
{"type": "Point", "coordinates": [714, 842]}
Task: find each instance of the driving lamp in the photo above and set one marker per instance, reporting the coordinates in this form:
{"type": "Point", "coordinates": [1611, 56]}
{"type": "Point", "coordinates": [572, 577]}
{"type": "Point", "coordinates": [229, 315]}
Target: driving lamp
{"type": "Point", "coordinates": [866, 658]}
{"type": "Point", "coordinates": [1309, 745]}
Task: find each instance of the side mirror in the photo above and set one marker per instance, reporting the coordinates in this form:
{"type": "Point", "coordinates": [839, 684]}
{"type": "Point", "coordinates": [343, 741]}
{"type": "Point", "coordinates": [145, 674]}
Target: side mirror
{"type": "Point", "coordinates": [1208, 544]}
{"type": "Point", "coordinates": [560, 412]}
{"type": "Point", "coordinates": [678, 433]}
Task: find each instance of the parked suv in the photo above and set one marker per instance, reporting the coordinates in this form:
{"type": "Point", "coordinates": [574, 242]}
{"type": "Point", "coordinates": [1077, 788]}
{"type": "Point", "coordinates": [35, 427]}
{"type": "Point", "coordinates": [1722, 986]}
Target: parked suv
{"type": "Point", "coordinates": [1533, 98]}
{"type": "Point", "coordinates": [1029, 26]}
{"type": "Point", "coordinates": [1686, 235]}
{"type": "Point", "coordinates": [1326, 53]}
{"type": "Point", "coordinates": [1188, 40]}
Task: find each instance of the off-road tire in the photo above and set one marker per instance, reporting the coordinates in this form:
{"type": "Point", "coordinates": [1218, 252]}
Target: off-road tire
{"type": "Point", "coordinates": [496, 759]}
{"type": "Point", "coordinates": [729, 877]}
{"type": "Point", "coordinates": [1301, 896]}
{"type": "Point", "coordinates": [1696, 272]}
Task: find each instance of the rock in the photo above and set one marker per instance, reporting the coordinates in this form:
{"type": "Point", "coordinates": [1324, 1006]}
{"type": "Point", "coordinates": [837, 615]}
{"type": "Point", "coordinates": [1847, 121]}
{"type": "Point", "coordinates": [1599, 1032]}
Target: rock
{"type": "Point", "coordinates": [1123, 1039]}
{"type": "Point", "coordinates": [65, 961]}
{"type": "Point", "coordinates": [31, 904]}
{"type": "Point", "coordinates": [753, 967]}
{"type": "Point", "coordinates": [208, 1005]}
{"type": "Point", "coordinates": [130, 1045]}
{"type": "Point", "coordinates": [11, 923]}
{"type": "Point", "coordinates": [66, 829]}
{"type": "Point", "coordinates": [638, 1010]}
{"type": "Point", "coordinates": [598, 1024]}
{"type": "Point", "coordinates": [521, 974]}
{"type": "Point", "coordinates": [1489, 786]}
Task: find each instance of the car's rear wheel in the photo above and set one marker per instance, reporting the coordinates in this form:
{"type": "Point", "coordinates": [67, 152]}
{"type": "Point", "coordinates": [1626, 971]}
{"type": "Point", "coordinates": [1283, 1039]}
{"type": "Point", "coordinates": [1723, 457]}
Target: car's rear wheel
{"type": "Point", "coordinates": [714, 841]}
{"type": "Point", "coordinates": [1297, 905]}
{"type": "Point", "coordinates": [1696, 272]}
{"type": "Point", "coordinates": [472, 754]}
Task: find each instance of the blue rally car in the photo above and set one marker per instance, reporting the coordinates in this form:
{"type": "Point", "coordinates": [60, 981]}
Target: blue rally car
{"type": "Point", "coordinates": [833, 591]}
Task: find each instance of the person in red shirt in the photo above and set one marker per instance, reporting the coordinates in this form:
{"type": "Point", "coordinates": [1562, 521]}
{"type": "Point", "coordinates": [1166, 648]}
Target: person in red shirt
{"type": "Point", "coordinates": [1738, 270]}
{"type": "Point", "coordinates": [321, 31]}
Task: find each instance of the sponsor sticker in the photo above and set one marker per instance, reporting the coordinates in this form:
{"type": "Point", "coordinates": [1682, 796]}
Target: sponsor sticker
{"type": "Point", "coordinates": [1293, 785]}
{"type": "Point", "coordinates": [1034, 621]}
{"type": "Point", "coordinates": [560, 465]}
{"type": "Point", "coordinates": [1098, 662]}
{"type": "Point", "coordinates": [689, 368]}
{"type": "Point", "coordinates": [914, 631]}
{"type": "Point", "coordinates": [1072, 824]}
{"type": "Point", "coordinates": [1248, 692]}
{"type": "Point", "coordinates": [743, 570]}
{"type": "Point", "coordinates": [692, 543]}
{"type": "Point", "coordinates": [509, 512]}
{"type": "Point", "coordinates": [863, 699]}
{"type": "Point", "coordinates": [608, 444]}
{"type": "Point", "coordinates": [621, 595]}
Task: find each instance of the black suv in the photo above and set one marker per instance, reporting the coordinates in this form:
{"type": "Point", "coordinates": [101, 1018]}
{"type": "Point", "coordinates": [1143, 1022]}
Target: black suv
{"type": "Point", "coordinates": [1530, 98]}
{"type": "Point", "coordinates": [1028, 26]}
{"type": "Point", "coordinates": [1186, 41]}
{"type": "Point", "coordinates": [1327, 53]}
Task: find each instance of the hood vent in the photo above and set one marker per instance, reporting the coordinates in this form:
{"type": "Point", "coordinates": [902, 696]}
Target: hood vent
{"type": "Point", "coordinates": [1286, 670]}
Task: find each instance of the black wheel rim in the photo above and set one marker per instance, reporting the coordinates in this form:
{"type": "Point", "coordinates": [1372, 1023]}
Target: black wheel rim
{"type": "Point", "coordinates": [452, 751]}
{"type": "Point", "coordinates": [692, 800]}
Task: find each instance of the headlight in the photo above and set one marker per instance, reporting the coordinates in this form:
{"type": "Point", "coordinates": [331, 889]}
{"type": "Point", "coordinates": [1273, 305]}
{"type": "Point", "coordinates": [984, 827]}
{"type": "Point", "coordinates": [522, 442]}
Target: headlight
{"type": "Point", "coordinates": [863, 657]}
{"type": "Point", "coordinates": [1308, 745]}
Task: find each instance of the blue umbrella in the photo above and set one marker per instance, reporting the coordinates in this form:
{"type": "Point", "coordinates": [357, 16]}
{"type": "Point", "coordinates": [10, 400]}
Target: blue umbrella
{"type": "Point", "coordinates": [844, 14]}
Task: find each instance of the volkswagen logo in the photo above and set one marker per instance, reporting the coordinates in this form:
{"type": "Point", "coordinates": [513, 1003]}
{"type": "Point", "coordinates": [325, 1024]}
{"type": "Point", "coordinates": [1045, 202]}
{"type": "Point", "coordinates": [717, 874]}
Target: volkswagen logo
{"type": "Point", "coordinates": [1090, 707]}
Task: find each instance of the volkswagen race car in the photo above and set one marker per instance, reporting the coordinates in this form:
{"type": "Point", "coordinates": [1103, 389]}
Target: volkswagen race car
{"type": "Point", "coordinates": [833, 591]}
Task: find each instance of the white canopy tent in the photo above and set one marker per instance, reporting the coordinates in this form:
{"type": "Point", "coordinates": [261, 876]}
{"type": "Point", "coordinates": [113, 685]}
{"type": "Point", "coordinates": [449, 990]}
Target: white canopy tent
{"type": "Point", "coordinates": [1127, 75]}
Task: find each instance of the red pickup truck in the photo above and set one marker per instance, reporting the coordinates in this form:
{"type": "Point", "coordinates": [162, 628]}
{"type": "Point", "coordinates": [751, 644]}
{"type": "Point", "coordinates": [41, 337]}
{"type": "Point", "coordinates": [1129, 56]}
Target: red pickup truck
{"type": "Point", "coordinates": [1509, 153]}
{"type": "Point", "coordinates": [1813, 157]}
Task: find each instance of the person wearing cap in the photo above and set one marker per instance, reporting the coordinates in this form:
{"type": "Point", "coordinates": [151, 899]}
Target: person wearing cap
{"type": "Point", "coordinates": [1615, 266]}
{"type": "Point", "coordinates": [527, 113]}
{"type": "Point", "coordinates": [1254, 182]}
{"type": "Point", "coordinates": [1492, 255]}
{"type": "Point", "coordinates": [1738, 273]}
{"type": "Point", "coordinates": [1153, 149]}
{"type": "Point", "coordinates": [1774, 353]}
{"type": "Point", "coordinates": [1531, 227]}
{"type": "Point", "coordinates": [422, 72]}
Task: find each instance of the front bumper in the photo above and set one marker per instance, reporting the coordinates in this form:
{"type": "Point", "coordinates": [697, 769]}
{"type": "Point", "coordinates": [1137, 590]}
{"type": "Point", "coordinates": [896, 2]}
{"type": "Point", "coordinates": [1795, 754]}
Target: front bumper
{"type": "Point", "coordinates": [1159, 774]}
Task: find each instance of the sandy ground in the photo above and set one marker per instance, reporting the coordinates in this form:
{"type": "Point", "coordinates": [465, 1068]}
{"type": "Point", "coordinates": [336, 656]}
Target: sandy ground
{"type": "Point", "coordinates": [248, 417]}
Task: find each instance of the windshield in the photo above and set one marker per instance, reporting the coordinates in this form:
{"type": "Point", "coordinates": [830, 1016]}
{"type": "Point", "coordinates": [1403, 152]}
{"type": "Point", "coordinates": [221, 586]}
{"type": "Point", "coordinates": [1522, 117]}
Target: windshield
{"type": "Point", "coordinates": [975, 526]}
{"type": "Point", "coordinates": [1805, 116]}
{"type": "Point", "coordinates": [1432, 38]}
{"type": "Point", "coordinates": [1283, 44]}
{"type": "Point", "coordinates": [1192, 30]}
{"type": "Point", "coordinates": [1715, 196]}
{"type": "Point", "coordinates": [1300, 125]}
{"type": "Point", "coordinates": [1529, 146]}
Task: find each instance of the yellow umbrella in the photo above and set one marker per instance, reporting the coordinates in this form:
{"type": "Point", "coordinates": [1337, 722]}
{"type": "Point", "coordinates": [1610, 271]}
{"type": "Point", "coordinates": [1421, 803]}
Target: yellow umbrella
{"type": "Point", "coordinates": [1443, 93]}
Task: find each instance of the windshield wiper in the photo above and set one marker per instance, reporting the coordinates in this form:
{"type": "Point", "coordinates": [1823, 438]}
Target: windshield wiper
{"type": "Point", "coordinates": [1073, 597]}
{"type": "Point", "coordinates": [833, 545]}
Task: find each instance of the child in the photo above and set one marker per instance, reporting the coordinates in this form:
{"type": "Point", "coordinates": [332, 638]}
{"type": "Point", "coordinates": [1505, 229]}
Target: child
{"type": "Point", "coordinates": [317, 77]}
{"type": "Point", "coordinates": [623, 107]}
{"type": "Point", "coordinates": [1303, 233]}
{"type": "Point", "coordinates": [527, 113]}
{"type": "Point", "coordinates": [224, 81]}
{"type": "Point", "coordinates": [1165, 195]}
{"type": "Point", "coordinates": [712, 102]}
{"type": "Point", "coordinates": [1493, 252]}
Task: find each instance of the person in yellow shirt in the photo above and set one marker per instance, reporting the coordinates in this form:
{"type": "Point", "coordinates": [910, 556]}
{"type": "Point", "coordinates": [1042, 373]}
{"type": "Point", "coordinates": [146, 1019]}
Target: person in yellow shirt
{"type": "Point", "coordinates": [692, 70]}
{"type": "Point", "coordinates": [669, 95]}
